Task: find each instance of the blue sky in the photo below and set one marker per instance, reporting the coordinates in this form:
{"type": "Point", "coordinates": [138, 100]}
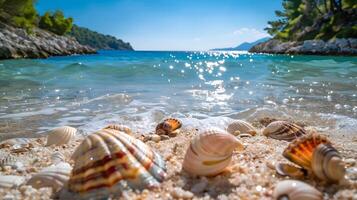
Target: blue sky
{"type": "Point", "coordinates": [171, 24]}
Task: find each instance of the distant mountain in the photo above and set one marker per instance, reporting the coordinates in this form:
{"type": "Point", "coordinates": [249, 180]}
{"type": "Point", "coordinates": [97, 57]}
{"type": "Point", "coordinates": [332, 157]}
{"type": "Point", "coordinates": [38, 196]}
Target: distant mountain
{"type": "Point", "coordinates": [97, 40]}
{"type": "Point", "coordinates": [245, 46]}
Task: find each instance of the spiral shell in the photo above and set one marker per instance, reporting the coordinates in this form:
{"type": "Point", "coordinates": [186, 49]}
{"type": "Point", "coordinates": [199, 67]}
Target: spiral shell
{"type": "Point", "coordinates": [11, 181]}
{"type": "Point", "coordinates": [108, 159]}
{"type": "Point", "coordinates": [295, 190]}
{"type": "Point", "coordinates": [61, 135]}
{"type": "Point", "coordinates": [120, 127]}
{"type": "Point", "coordinates": [241, 127]}
{"type": "Point", "coordinates": [282, 130]}
{"type": "Point", "coordinates": [55, 177]}
{"type": "Point", "coordinates": [210, 153]}
{"type": "Point", "coordinates": [327, 164]}
{"type": "Point", "coordinates": [168, 126]}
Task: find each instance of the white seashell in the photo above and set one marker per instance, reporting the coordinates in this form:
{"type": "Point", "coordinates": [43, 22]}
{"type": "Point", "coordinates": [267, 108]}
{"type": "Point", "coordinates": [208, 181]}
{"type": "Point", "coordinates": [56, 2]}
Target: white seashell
{"type": "Point", "coordinates": [210, 153]}
{"type": "Point", "coordinates": [61, 135]}
{"type": "Point", "coordinates": [57, 157]}
{"type": "Point", "coordinates": [55, 176]}
{"type": "Point", "coordinates": [11, 181]}
{"type": "Point", "coordinates": [241, 127]}
{"type": "Point", "coordinates": [295, 190]}
{"type": "Point", "coordinates": [8, 160]}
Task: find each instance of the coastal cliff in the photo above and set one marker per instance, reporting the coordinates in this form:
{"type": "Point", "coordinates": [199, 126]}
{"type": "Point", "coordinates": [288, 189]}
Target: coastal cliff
{"type": "Point", "coordinates": [17, 43]}
{"type": "Point", "coordinates": [310, 47]}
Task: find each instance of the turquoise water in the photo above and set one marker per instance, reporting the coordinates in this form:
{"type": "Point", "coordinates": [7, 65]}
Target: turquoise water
{"type": "Point", "coordinates": [140, 88]}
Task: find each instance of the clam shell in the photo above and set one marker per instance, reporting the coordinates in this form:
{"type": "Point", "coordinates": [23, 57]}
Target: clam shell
{"type": "Point", "coordinates": [210, 153]}
{"type": "Point", "coordinates": [284, 169]}
{"type": "Point", "coordinates": [55, 177]}
{"type": "Point", "coordinates": [295, 190]}
{"type": "Point", "coordinates": [57, 157]}
{"type": "Point", "coordinates": [61, 135]}
{"type": "Point", "coordinates": [327, 164]}
{"type": "Point", "coordinates": [120, 127]}
{"type": "Point", "coordinates": [282, 130]}
{"type": "Point", "coordinates": [11, 181]}
{"type": "Point", "coordinates": [241, 127]}
{"type": "Point", "coordinates": [109, 159]}
{"type": "Point", "coordinates": [301, 149]}
{"type": "Point", "coordinates": [168, 126]}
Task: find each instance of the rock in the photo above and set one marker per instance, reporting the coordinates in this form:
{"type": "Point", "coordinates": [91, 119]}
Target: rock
{"type": "Point", "coordinates": [179, 193]}
{"type": "Point", "coordinates": [155, 138]}
{"type": "Point", "coordinates": [16, 43]}
{"type": "Point", "coordinates": [199, 187]}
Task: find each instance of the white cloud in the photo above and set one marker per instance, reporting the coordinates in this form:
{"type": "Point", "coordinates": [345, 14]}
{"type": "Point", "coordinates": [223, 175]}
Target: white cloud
{"type": "Point", "coordinates": [250, 33]}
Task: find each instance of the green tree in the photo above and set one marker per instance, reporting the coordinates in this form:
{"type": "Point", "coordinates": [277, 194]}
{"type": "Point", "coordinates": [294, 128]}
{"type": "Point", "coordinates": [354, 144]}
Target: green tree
{"type": "Point", "coordinates": [56, 23]}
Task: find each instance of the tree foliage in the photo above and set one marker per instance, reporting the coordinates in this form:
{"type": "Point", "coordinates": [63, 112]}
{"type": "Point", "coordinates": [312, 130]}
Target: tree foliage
{"type": "Point", "coordinates": [56, 22]}
{"type": "Point", "coordinates": [314, 19]}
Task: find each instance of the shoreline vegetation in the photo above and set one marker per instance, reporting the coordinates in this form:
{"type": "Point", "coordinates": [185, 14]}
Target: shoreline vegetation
{"type": "Point", "coordinates": [321, 27]}
{"type": "Point", "coordinates": [26, 34]}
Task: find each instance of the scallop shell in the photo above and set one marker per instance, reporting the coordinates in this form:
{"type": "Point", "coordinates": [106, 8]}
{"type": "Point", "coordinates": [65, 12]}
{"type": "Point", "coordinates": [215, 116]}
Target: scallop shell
{"type": "Point", "coordinates": [210, 153]}
{"type": "Point", "coordinates": [241, 127]}
{"type": "Point", "coordinates": [168, 126]}
{"type": "Point", "coordinates": [55, 177]}
{"type": "Point", "coordinates": [61, 135]}
{"type": "Point", "coordinates": [120, 127]}
{"type": "Point", "coordinates": [282, 130]}
{"type": "Point", "coordinates": [11, 181]}
{"type": "Point", "coordinates": [108, 159]}
{"type": "Point", "coordinates": [295, 190]}
{"type": "Point", "coordinates": [301, 149]}
{"type": "Point", "coordinates": [327, 164]}
{"type": "Point", "coordinates": [284, 169]}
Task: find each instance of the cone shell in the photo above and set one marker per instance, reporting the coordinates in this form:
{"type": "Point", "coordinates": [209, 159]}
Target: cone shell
{"type": "Point", "coordinates": [241, 127]}
{"type": "Point", "coordinates": [120, 127]}
{"type": "Point", "coordinates": [301, 149]}
{"type": "Point", "coordinates": [284, 169]}
{"type": "Point", "coordinates": [282, 130]}
{"type": "Point", "coordinates": [61, 135]}
{"type": "Point", "coordinates": [295, 190]}
{"type": "Point", "coordinates": [55, 177]}
{"type": "Point", "coordinates": [327, 164]}
{"type": "Point", "coordinates": [210, 153]}
{"type": "Point", "coordinates": [11, 181]}
{"type": "Point", "coordinates": [168, 126]}
{"type": "Point", "coordinates": [108, 159]}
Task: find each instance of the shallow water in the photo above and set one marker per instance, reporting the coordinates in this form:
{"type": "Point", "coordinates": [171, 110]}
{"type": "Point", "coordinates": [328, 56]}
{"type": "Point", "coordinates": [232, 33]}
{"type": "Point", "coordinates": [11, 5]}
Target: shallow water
{"type": "Point", "coordinates": [140, 88]}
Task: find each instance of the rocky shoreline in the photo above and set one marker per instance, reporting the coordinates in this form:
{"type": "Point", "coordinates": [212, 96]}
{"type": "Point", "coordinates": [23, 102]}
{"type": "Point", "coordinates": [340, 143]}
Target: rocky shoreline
{"type": "Point", "coordinates": [17, 43]}
{"type": "Point", "coordinates": [309, 47]}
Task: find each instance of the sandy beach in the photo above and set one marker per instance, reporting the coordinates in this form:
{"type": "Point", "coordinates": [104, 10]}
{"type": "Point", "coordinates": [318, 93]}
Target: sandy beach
{"type": "Point", "coordinates": [250, 176]}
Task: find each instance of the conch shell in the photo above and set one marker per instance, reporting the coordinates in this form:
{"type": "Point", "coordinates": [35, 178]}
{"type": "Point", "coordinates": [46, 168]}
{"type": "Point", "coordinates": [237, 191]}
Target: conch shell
{"type": "Point", "coordinates": [210, 153]}
{"type": "Point", "coordinates": [282, 130]}
{"type": "Point", "coordinates": [295, 190]}
{"type": "Point", "coordinates": [241, 127]}
{"type": "Point", "coordinates": [61, 135]}
{"type": "Point", "coordinates": [168, 126]}
{"type": "Point", "coordinates": [109, 160]}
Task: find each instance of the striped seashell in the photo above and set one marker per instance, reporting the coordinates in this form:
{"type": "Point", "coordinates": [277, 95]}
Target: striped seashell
{"type": "Point", "coordinates": [109, 159]}
{"type": "Point", "coordinates": [327, 164]}
{"type": "Point", "coordinates": [120, 127]}
{"type": "Point", "coordinates": [241, 127]}
{"type": "Point", "coordinates": [168, 126]}
{"type": "Point", "coordinates": [210, 153]}
{"type": "Point", "coordinates": [61, 135]}
{"type": "Point", "coordinates": [282, 130]}
{"type": "Point", "coordinates": [55, 177]}
{"type": "Point", "coordinates": [57, 157]}
{"type": "Point", "coordinates": [10, 181]}
{"type": "Point", "coordinates": [284, 169]}
{"type": "Point", "coordinates": [295, 190]}
{"type": "Point", "coordinates": [301, 149]}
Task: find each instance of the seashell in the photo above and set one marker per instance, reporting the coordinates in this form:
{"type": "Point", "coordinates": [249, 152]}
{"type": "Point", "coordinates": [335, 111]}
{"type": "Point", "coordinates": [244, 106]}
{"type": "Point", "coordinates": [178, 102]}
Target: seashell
{"type": "Point", "coordinates": [295, 190]}
{"type": "Point", "coordinates": [11, 181]}
{"type": "Point", "coordinates": [57, 157]}
{"type": "Point", "coordinates": [284, 169]}
{"type": "Point", "coordinates": [61, 135]}
{"type": "Point", "coordinates": [109, 159]}
{"type": "Point", "coordinates": [210, 153]}
{"type": "Point", "coordinates": [8, 160]}
{"type": "Point", "coordinates": [120, 127]}
{"type": "Point", "coordinates": [282, 130]}
{"type": "Point", "coordinates": [301, 149]}
{"type": "Point", "coordinates": [241, 127]}
{"type": "Point", "coordinates": [55, 177]}
{"type": "Point", "coordinates": [168, 126]}
{"type": "Point", "coordinates": [327, 164]}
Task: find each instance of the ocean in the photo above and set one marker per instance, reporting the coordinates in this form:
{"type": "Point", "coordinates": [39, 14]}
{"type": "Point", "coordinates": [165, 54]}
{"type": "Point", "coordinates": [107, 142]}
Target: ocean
{"type": "Point", "coordinates": [140, 88]}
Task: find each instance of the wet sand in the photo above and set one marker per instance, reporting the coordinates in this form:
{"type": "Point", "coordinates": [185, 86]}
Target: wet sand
{"type": "Point", "coordinates": [251, 175]}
